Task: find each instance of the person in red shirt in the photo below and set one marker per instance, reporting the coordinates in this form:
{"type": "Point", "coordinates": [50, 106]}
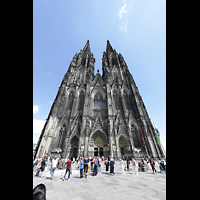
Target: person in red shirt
{"type": "Point", "coordinates": [153, 165]}
{"type": "Point", "coordinates": [68, 163]}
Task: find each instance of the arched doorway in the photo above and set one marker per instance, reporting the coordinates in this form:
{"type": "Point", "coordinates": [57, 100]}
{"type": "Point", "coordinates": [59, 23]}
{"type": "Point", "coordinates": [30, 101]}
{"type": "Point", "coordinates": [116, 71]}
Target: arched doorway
{"type": "Point", "coordinates": [123, 146]}
{"type": "Point", "coordinates": [74, 147]}
{"type": "Point", "coordinates": [98, 144]}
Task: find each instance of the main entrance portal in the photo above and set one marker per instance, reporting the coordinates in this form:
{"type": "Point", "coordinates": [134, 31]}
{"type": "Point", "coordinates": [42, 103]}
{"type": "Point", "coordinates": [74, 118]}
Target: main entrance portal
{"type": "Point", "coordinates": [98, 151]}
{"type": "Point", "coordinates": [99, 144]}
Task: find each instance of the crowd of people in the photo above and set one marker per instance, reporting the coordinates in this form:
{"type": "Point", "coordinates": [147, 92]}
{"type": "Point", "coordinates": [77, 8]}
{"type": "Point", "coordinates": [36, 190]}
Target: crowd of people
{"type": "Point", "coordinates": [93, 165]}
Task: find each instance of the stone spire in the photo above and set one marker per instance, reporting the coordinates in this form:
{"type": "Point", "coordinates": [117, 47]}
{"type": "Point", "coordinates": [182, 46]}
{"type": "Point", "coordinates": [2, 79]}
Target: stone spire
{"type": "Point", "coordinates": [87, 47]}
{"type": "Point", "coordinates": [108, 47]}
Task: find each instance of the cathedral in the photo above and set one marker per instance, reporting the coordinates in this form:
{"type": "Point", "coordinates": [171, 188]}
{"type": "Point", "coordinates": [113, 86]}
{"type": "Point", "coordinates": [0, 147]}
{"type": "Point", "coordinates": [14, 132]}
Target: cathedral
{"type": "Point", "coordinates": [94, 115]}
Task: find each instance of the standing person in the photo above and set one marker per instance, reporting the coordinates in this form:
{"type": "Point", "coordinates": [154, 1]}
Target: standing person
{"type": "Point", "coordinates": [107, 165]}
{"type": "Point", "coordinates": [81, 166]}
{"type": "Point", "coordinates": [162, 165]}
{"type": "Point", "coordinates": [69, 163]}
{"type": "Point", "coordinates": [86, 166]}
{"type": "Point", "coordinates": [53, 167]}
{"type": "Point", "coordinates": [92, 164]}
{"type": "Point", "coordinates": [43, 164]}
{"type": "Point", "coordinates": [95, 166]}
{"type": "Point", "coordinates": [99, 167]}
{"type": "Point", "coordinates": [153, 165]}
{"type": "Point", "coordinates": [89, 166]}
{"type": "Point", "coordinates": [122, 166]}
{"type": "Point", "coordinates": [134, 166]}
{"type": "Point", "coordinates": [127, 164]}
{"type": "Point", "coordinates": [112, 166]}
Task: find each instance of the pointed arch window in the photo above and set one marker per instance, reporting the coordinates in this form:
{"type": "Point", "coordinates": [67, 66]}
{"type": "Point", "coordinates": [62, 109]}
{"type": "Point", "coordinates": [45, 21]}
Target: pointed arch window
{"type": "Point", "coordinates": [70, 102]}
{"type": "Point", "coordinates": [126, 99]}
{"type": "Point", "coordinates": [98, 105]}
{"type": "Point", "coordinates": [83, 61]}
{"type": "Point", "coordinates": [81, 101]}
{"type": "Point", "coordinates": [80, 77]}
{"type": "Point", "coordinates": [115, 97]}
{"type": "Point", "coordinates": [98, 101]}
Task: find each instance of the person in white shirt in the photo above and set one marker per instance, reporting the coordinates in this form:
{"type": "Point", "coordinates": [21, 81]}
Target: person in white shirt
{"type": "Point", "coordinates": [53, 167]}
{"type": "Point", "coordinates": [135, 166]}
{"type": "Point", "coordinates": [122, 166]}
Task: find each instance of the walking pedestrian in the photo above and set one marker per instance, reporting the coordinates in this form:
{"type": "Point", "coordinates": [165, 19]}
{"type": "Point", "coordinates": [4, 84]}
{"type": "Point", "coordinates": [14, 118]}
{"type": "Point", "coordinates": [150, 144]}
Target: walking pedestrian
{"type": "Point", "coordinates": [153, 165]}
{"type": "Point", "coordinates": [69, 163]}
{"type": "Point", "coordinates": [43, 164]}
{"type": "Point", "coordinates": [81, 166]}
{"type": "Point", "coordinates": [53, 167]}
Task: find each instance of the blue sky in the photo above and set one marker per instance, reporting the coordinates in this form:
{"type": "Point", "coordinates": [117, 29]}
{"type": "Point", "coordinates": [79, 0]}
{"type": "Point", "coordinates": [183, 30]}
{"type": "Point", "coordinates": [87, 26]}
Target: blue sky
{"type": "Point", "coordinates": [135, 28]}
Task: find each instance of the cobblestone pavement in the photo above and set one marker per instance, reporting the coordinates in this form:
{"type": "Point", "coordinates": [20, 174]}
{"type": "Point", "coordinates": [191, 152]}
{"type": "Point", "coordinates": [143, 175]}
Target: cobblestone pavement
{"type": "Point", "coordinates": [145, 185]}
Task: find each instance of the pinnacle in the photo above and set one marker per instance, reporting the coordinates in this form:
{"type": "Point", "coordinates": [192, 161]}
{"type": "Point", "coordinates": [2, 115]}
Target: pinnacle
{"type": "Point", "coordinates": [87, 47]}
{"type": "Point", "coordinates": [109, 47]}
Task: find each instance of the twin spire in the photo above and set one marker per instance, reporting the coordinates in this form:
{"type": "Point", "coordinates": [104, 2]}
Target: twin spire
{"type": "Point", "coordinates": [108, 47]}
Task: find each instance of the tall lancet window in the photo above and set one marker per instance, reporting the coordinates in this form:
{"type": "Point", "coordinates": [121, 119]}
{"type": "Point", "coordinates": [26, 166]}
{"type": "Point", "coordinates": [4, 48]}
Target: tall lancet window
{"type": "Point", "coordinates": [126, 100]}
{"type": "Point", "coordinates": [98, 101]}
{"type": "Point", "coordinates": [70, 102]}
{"type": "Point", "coordinates": [115, 97]}
{"type": "Point", "coordinates": [81, 77]}
{"type": "Point", "coordinates": [98, 104]}
{"type": "Point", "coordinates": [81, 101]}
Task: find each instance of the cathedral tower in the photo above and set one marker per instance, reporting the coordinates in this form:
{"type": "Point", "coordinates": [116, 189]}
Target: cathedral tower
{"type": "Point", "coordinates": [94, 115]}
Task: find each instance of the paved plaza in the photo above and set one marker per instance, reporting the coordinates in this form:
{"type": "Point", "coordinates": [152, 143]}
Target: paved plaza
{"type": "Point", "coordinates": [145, 185]}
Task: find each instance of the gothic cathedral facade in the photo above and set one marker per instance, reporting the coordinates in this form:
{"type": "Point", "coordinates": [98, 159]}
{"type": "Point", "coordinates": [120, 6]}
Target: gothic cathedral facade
{"type": "Point", "coordinates": [94, 115]}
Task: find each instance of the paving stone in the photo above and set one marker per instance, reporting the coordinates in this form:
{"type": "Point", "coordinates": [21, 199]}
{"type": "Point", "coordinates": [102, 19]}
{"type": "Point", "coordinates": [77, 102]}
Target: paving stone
{"type": "Point", "coordinates": [104, 186]}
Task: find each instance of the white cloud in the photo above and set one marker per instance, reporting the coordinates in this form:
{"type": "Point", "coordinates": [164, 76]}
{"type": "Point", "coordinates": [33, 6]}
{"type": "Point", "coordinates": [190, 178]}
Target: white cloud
{"type": "Point", "coordinates": [122, 10]}
{"type": "Point", "coordinates": [123, 28]}
{"type": "Point", "coordinates": [35, 109]}
{"type": "Point", "coordinates": [37, 129]}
